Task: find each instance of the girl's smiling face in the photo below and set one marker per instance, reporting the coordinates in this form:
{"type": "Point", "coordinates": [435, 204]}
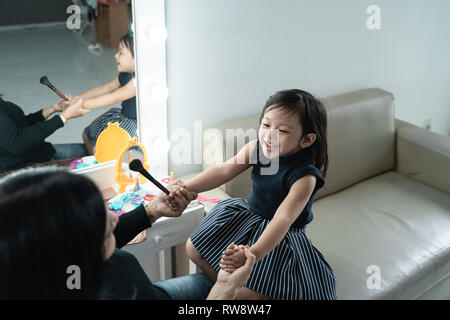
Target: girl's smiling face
{"type": "Point", "coordinates": [124, 59]}
{"type": "Point", "coordinates": [280, 133]}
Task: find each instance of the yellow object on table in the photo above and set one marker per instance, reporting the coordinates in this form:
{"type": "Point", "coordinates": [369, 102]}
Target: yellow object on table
{"type": "Point", "coordinates": [110, 143]}
{"type": "Point", "coordinates": [133, 150]}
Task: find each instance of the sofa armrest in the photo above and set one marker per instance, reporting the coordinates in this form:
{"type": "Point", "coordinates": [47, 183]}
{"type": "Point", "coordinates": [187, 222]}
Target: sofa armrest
{"type": "Point", "coordinates": [424, 156]}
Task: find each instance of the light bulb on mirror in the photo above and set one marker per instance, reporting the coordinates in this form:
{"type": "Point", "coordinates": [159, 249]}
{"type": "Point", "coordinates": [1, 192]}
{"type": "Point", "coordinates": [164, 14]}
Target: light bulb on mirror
{"type": "Point", "coordinates": [160, 92]}
{"type": "Point", "coordinates": [157, 33]}
{"type": "Point", "coordinates": [161, 145]}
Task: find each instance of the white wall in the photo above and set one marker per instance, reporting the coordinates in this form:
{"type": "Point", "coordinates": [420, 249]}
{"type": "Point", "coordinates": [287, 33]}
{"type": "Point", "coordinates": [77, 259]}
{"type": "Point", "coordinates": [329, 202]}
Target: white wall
{"type": "Point", "coordinates": [224, 58]}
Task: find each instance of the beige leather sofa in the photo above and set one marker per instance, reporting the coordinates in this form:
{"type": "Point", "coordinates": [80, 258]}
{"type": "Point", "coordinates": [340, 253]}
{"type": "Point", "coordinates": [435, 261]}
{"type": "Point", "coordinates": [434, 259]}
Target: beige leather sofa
{"type": "Point", "coordinates": [382, 220]}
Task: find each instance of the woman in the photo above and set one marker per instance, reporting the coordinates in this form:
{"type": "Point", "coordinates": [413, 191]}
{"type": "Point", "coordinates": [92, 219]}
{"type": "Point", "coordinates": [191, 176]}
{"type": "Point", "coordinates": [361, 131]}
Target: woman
{"type": "Point", "coordinates": [22, 137]}
{"type": "Point", "coordinates": [53, 224]}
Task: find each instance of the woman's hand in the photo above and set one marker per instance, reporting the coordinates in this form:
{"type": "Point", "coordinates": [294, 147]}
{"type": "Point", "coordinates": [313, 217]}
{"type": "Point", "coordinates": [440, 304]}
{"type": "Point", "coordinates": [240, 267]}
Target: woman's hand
{"type": "Point", "coordinates": [74, 109]}
{"type": "Point", "coordinates": [228, 284]}
{"type": "Point", "coordinates": [59, 106]}
{"type": "Point", "coordinates": [62, 104]}
{"type": "Point", "coordinates": [171, 205]}
{"type": "Point", "coordinates": [175, 189]}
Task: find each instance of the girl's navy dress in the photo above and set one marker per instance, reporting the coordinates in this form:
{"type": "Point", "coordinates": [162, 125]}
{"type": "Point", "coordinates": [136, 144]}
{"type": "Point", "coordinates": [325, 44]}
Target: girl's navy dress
{"type": "Point", "coordinates": [125, 116]}
{"type": "Point", "coordinates": [295, 269]}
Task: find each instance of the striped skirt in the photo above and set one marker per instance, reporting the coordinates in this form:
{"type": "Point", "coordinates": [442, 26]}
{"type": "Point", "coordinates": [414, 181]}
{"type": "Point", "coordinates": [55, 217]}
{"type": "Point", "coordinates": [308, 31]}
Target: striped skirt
{"type": "Point", "coordinates": [101, 123]}
{"type": "Point", "coordinates": [294, 270]}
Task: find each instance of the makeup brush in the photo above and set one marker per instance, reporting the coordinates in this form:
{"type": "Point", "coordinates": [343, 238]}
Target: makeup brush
{"type": "Point", "coordinates": [136, 165]}
{"type": "Point", "coordinates": [44, 80]}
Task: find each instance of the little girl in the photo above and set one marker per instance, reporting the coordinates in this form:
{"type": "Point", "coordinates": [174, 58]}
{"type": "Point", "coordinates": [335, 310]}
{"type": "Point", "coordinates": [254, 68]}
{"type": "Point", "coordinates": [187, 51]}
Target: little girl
{"type": "Point", "coordinates": [292, 134]}
{"type": "Point", "coordinates": [120, 89]}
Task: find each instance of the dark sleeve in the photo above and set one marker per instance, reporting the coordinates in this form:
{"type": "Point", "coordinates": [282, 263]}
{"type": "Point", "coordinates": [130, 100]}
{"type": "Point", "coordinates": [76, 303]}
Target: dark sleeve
{"type": "Point", "coordinates": [303, 172]}
{"type": "Point", "coordinates": [130, 225]}
{"type": "Point", "coordinates": [17, 140]}
{"type": "Point", "coordinates": [124, 279]}
{"type": "Point", "coordinates": [32, 118]}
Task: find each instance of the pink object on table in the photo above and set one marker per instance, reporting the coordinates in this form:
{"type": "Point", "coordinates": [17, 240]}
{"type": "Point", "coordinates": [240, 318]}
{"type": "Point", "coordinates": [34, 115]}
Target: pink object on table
{"type": "Point", "coordinates": [74, 163]}
{"type": "Point", "coordinates": [203, 198]}
{"type": "Point", "coordinates": [166, 180]}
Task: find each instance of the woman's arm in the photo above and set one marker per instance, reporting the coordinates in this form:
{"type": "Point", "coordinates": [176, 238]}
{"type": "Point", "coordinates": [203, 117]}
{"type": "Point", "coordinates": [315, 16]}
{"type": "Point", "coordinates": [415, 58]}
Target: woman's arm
{"type": "Point", "coordinates": [284, 217]}
{"type": "Point", "coordinates": [220, 174]}
{"type": "Point", "coordinates": [133, 222]}
{"type": "Point", "coordinates": [18, 139]}
{"type": "Point", "coordinates": [123, 93]}
{"type": "Point", "coordinates": [59, 106]}
{"type": "Point", "coordinates": [100, 90]}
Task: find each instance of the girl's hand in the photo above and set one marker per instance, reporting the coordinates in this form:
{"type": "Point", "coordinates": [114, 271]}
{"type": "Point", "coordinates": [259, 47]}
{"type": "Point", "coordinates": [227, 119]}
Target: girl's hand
{"type": "Point", "coordinates": [74, 110]}
{"type": "Point", "coordinates": [175, 187]}
{"type": "Point", "coordinates": [230, 282]}
{"type": "Point", "coordinates": [233, 258]}
{"type": "Point", "coordinates": [179, 192]}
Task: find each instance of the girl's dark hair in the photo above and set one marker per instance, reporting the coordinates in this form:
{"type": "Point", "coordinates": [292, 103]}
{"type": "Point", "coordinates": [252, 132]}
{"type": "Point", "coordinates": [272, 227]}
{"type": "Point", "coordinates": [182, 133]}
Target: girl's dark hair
{"type": "Point", "coordinates": [127, 40]}
{"type": "Point", "coordinates": [312, 116]}
{"type": "Point", "coordinates": [50, 219]}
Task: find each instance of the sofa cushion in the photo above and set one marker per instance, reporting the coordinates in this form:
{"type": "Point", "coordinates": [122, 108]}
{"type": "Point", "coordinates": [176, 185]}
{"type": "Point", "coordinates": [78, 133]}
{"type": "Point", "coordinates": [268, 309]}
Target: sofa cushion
{"type": "Point", "coordinates": [391, 222]}
{"type": "Point", "coordinates": [361, 137]}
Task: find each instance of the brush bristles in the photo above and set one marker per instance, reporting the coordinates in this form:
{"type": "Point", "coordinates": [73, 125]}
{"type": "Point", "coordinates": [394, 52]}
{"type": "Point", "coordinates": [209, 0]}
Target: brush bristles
{"type": "Point", "coordinates": [136, 165]}
{"type": "Point", "coordinates": [44, 80]}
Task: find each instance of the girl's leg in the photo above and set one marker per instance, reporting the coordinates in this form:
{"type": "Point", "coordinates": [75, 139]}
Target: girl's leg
{"type": "Point", "coordinates": [88, 145]}
{"type": "Point", "coordinates": [197, 258]}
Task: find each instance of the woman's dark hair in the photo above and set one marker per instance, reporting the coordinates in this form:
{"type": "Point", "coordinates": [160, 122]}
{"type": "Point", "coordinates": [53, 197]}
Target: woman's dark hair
{"type": "Point", "coordinates": [312, 116]}
{"type": "Point", "coordinates": [50, 220]}
{"type": "Point", "coordinates": [127, 40]}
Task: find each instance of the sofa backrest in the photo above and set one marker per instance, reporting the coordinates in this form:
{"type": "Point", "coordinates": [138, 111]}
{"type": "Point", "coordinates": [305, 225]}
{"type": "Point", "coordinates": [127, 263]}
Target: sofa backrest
{"type": "Point", "coordinates": [361, 137]}
{"type": "Point", "coordinates": [361, 140]}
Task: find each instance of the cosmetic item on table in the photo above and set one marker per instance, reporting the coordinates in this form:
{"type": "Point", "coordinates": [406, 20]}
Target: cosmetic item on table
{"type": "Point", "coordinates": [136, 165]}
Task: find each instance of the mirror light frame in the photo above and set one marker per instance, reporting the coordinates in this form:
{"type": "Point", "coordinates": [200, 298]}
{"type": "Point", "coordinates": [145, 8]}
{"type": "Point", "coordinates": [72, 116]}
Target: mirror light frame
{"type": "Point", "coordinates": [151, 88]}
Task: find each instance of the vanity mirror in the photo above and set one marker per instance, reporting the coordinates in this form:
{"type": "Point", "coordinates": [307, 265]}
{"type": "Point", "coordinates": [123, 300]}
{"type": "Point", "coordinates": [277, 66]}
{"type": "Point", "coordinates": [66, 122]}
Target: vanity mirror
{"type": "Point", "coordinates": [124, 176]}
{"type": "Point", "coordinates": [76, 60]}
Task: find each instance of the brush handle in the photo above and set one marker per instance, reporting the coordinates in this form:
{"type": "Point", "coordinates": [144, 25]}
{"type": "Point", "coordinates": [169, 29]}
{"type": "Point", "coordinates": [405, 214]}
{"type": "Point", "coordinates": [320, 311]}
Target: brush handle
{"type": "Point", "coordinates": [61, 95]}
{"type": "Point", "coordinates": [58, 92]}
{"type": "Point", "coordinates": [154, 181]}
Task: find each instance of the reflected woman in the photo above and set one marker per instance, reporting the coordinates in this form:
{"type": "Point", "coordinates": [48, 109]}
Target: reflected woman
{"type": "Point", "coordinates": [22, 137]}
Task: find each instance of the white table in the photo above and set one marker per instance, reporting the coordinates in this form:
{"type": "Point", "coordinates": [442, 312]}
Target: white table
{"type": "Point", "coordinates": [166, 233]}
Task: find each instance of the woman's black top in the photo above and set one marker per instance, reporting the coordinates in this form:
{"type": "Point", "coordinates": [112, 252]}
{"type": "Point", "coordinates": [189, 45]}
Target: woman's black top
{"type": "Point", "coordinates": [124, 277]}
{"type": "Point", "coordinates": [22, 137]}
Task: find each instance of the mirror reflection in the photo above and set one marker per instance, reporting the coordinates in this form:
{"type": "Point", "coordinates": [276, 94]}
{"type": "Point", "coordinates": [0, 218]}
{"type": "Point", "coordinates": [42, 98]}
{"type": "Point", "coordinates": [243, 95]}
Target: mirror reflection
{"type": "Point", "coordinates": [70, 70]}
{"type": "Point", "coordinates": [134, 152]}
